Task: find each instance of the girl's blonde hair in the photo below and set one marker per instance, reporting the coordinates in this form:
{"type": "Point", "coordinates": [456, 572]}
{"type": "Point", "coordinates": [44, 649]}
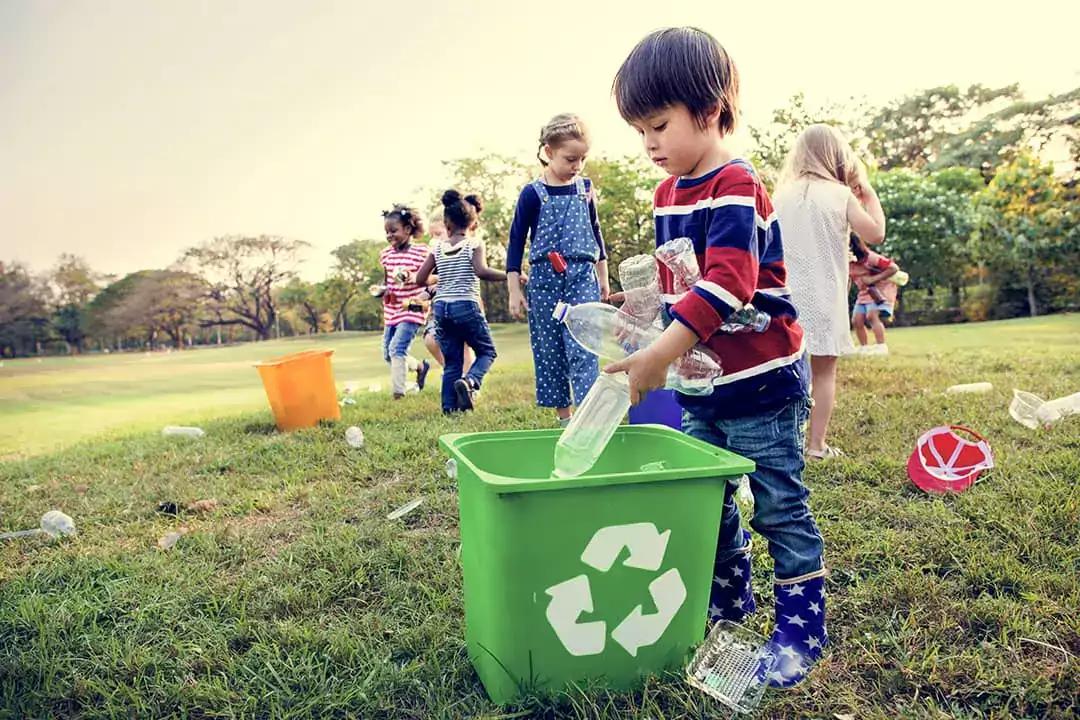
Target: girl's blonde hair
{"type": "Point", "coordinates": [821, 151]}
{"type": "Point", "coordinates": [562, 127]}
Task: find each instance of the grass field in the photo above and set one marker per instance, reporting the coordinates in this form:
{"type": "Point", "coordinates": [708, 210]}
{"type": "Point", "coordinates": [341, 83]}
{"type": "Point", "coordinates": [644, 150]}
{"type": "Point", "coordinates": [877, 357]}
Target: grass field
{"type": "Point", "coordinates": [295, 597]}
{"type": "Point", "coordinates": [61, 400]}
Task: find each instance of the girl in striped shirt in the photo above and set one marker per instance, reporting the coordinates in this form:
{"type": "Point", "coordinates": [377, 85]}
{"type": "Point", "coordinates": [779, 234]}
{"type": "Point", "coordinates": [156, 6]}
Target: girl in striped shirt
{"type": "Point", "coordinates": [460, 264]}
{"type": "Point", "coordinates": [403, 306]}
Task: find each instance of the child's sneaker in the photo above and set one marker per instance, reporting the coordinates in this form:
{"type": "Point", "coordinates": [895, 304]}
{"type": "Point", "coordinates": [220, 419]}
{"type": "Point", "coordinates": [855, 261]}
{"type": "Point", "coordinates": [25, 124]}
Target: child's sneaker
{"type": "Point", "coordinates": [465, 390]}
{"type": "Point", "coordinates": [421, 373]}
{"type": "Point", "coordinates": [879, 349]}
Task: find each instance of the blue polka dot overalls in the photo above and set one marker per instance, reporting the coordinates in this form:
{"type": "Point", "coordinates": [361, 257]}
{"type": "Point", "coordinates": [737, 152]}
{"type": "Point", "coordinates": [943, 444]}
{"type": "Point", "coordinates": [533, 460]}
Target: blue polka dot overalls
{"type": "Point", "coordinates": [561, 364]}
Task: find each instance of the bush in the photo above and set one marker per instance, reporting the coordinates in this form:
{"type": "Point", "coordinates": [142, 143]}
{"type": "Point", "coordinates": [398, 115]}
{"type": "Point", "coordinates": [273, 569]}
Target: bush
{"type": "Point", "coordinates": [977, 303]}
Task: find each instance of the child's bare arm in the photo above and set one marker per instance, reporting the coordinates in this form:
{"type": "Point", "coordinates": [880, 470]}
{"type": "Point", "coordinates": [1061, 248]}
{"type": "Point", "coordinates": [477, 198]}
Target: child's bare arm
{"type": "Point", "coordinates": [424, 273]}
{"type": "Point", "coordinates": [480, 267]}
{"type": "Point", "coordinates": [865, 214]}
{"type": "Point", "coordinates": [602, 277]}
{"type": "Point", "coordinates": [883, 275]}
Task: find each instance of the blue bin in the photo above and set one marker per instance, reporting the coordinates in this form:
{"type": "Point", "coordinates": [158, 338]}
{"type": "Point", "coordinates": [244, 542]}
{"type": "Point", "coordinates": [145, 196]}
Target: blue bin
{"type": "Point", "coordinates": [659, 407]}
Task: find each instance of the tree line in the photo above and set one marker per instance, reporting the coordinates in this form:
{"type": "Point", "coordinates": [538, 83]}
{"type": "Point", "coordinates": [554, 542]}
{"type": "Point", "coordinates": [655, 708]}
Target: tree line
{"type": "Point", "coordinates": [985, 225]}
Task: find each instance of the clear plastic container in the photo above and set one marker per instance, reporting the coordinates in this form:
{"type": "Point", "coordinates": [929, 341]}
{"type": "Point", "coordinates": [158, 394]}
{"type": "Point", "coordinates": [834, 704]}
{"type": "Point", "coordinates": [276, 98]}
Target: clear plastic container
{"type": "Point", "coordinates": [592, 426]}
{"type": "Point", "coordinates": [640, 287]}
{"type": "Point", "coordinates": [53, 523]}
{"type": "Point", "coordinates": [612, 334]}
{"type": "Point", "coordinates": [1023, 408]}
{"type": "Point", "coordinates": [1053, 410]}
{"type": "Point", "coordinates": [732, 666]}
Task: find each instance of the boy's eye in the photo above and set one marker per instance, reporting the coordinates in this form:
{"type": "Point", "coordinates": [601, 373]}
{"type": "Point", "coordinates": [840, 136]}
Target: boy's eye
{"type": "Point", "coordinates": [660, 127]}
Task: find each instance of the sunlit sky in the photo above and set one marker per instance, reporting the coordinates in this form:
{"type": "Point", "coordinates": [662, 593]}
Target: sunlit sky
{"type": "Point", "coordinates": [131, 129]}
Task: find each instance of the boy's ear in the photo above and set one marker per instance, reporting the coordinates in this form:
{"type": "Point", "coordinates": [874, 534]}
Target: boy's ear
{"type": "Point", "coordinates": [548, 151]}
{"type": "Point", "coordinates": [712, 118]}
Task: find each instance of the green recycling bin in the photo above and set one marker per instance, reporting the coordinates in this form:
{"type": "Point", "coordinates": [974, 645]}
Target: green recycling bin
{"type": "Point", "coordinates": [598, 579]}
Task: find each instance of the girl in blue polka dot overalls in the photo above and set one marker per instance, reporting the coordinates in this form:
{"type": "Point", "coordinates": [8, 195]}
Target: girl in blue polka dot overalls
{"type": "Point", "coordinates": [567, 263]}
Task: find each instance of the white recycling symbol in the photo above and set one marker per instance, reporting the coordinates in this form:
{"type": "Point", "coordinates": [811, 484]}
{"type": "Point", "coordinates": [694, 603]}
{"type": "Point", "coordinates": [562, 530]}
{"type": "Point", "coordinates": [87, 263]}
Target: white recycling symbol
{"type": "Point", "coordinates": [571, 598]}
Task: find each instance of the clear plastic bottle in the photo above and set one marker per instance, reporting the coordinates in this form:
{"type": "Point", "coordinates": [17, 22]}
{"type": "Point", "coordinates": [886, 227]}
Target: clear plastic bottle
{"type": "Point", "coordinates": [182, 431]}
{"type": "Point", "coordinates": [613, 334]}
{"type": "Point", "coordinates": [679, 257]}
{"type": "Point", "coordinates": [640, 287]}
{"type": "Point", "coordinates": [592, 426]}
{"type": "Point", "coordinates": [746, 319]}
{"type": "Point", "coordinates": [355, 437]}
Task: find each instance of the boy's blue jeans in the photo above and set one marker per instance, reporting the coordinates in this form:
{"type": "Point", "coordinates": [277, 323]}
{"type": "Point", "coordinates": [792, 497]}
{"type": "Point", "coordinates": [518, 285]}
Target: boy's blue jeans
{"type": "Point", "coordinates": [774, 441]}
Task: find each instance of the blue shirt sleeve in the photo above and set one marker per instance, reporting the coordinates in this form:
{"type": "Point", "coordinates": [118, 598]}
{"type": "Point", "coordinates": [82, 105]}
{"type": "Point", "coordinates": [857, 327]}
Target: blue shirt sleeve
{"type": "Point", "coordinates": [526, 217]}
{"type": "Point", "coordinates": [595, 221]}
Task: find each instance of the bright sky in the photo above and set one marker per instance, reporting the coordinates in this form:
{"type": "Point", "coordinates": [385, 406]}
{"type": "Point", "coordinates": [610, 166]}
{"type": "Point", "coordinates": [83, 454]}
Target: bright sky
{"type": "Point", "coordinates": [130, 130]}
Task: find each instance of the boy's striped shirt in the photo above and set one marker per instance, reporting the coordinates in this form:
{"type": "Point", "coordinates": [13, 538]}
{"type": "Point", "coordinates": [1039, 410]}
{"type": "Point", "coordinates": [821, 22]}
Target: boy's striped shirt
{"type": "Point", "coordinates": [729, 217]}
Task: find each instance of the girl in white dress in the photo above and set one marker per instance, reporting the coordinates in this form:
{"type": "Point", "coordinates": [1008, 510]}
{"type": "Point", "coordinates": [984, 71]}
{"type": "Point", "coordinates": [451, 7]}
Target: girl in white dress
{"type": "Point", "coordinates": [823, 194]}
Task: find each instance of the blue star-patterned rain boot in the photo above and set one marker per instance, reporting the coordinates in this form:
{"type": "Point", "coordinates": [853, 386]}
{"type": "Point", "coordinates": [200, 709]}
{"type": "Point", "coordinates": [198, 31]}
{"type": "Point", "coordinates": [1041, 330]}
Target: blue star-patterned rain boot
{"type": "Point", "coordinates": [732, 596]}
{"type": "Point", "coordinates": [799, 635]}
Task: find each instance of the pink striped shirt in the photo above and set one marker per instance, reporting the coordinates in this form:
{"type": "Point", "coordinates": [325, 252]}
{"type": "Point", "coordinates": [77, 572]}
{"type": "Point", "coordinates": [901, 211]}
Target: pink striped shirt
{"type": "Point", "coordinates": [398, 294]}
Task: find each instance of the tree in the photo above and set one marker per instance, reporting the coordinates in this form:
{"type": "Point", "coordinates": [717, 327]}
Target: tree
{"type": "Point", "coordinates": [1026, 222]}
{"type": "Point", "coordinates": [307, 300]}
{"type": "Point", "coordinates": [625, 189]}
{"type": "Point", "coordinates": [929, 220]}
{"type": "Point", "coordinates": [241, 274]}
{"type": "Point", "coordinates": [168, 301]}
{"type": "Point", "coordinates": [102, 322]}
{"type": "Point", "coordinates": [909, 132]}
{"type": "Point", "coordinates": [1001, 136]}
{"type": "Point", "coordinates": [24, 314]}
{"type": "Point", "coordinates": [773, 142]}
{"type": "Point", "coordinates": [75, 286]}
{"type": "Point", "coordinates": [356, 266]}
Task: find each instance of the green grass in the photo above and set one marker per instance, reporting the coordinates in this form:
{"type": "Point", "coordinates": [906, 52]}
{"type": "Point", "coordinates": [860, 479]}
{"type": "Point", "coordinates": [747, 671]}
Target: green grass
{"type": "Point", "coordinates": [54, 402]}
{"type": "Point", "coordinates": [296, 598]}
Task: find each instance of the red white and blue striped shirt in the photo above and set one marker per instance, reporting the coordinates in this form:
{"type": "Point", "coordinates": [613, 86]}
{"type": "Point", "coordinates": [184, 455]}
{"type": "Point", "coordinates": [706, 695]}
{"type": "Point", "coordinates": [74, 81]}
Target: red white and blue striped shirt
{"type": "Point", "coordinates": [399, 294]}
{"type": "Point", "coordinates": [729, 217]}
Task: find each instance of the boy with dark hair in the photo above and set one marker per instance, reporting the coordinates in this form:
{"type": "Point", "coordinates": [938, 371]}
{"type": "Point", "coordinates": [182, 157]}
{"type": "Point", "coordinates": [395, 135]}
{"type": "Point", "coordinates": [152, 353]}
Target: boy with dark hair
{"type": "Point", "coordinates": [679, 89]}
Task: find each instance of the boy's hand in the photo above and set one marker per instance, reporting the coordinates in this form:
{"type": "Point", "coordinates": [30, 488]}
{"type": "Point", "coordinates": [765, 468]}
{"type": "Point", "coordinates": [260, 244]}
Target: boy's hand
{"type": "Point", "coordinates": [605, 289]}
{"type": "Point", "coordinates": [646, 369]}
{"type": "Point", "coordinates": [617, 298]}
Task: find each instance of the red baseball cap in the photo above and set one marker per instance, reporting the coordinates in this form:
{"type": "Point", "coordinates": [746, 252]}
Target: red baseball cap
{"type": "Point", "coordinates": [944, 462]}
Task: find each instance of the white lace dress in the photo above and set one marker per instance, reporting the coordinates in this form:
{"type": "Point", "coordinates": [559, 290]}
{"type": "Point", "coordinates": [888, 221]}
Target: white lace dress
{"type": "Point", "coordinates": [814, 230]}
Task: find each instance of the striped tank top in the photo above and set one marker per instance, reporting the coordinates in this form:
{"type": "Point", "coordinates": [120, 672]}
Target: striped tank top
{"type": "Point", "coordinates": [454, 266]}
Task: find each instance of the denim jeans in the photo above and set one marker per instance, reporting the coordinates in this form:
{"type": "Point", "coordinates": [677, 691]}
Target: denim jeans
{"type": "Point", "coordinates": [397, 338]}
{"type": "Point", "coordinates": [460, 323]}
{"type": "Point", "coordinates": [774, 441]}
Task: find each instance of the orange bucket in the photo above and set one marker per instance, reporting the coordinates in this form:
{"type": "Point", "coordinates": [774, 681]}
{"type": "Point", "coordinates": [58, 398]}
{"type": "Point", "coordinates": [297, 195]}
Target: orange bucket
{"type": "Point", "coordinates": [300, 388]}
